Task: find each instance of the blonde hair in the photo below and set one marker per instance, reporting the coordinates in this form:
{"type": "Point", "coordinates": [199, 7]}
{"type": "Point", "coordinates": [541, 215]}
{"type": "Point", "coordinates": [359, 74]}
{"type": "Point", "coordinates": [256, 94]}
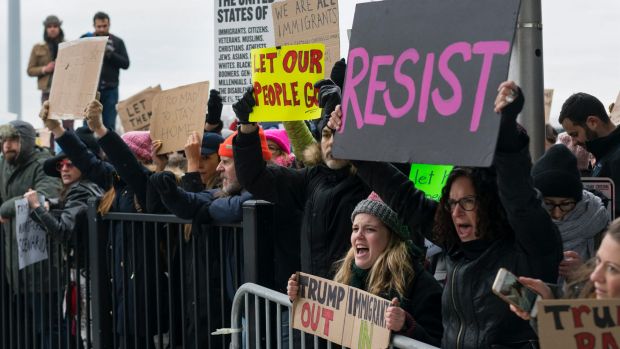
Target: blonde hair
{"type": "Point", "coordinates": [391, 271]}
{"type": "Point", "coordinates": [106, 201]}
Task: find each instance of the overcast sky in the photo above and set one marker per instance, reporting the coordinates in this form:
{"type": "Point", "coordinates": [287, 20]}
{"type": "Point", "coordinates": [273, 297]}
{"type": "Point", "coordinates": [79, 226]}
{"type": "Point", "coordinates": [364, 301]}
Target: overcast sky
{"type": "Point", "coordinates": [172, 43]}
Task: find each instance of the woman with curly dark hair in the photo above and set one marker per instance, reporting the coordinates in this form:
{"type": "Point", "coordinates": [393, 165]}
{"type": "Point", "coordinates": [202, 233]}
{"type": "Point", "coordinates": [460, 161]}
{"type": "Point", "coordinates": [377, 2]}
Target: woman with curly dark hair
{"type": "Point", "coordinates": [486, 219]}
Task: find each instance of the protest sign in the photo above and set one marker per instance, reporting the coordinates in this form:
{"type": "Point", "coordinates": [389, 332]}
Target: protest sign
{"type": "Point", "coordinates": [308, 22]}
{"type": "Point", "coordinates": [366, 312]}
{"type": "Point", "coordinates": [76, 76]}
{"type": "Point", "coordinates": [414, 93]}
{"type": "Point", "coordinates": [603, 186]}
{"type": "Point", "coordinates": [430, 178]}
{"type": "Point", "coordinates": [284, 82]}
{"type": "Point", "coordinates": [239, 27]}
{"type": "Point", "coordinates": [615, 111]}
{"type": "Point", "coordinates": [548, 99]}
{"type": "Point", "coordinates": [579, 323]}
{"type": "Point", "coordinates": [136, 111]}
{"type": "Point", "coordinates": [177, 113]}
{"type": "Point", "coordinates": [339, 313]}
{"type": "Point", "coordinates": [31, 238]}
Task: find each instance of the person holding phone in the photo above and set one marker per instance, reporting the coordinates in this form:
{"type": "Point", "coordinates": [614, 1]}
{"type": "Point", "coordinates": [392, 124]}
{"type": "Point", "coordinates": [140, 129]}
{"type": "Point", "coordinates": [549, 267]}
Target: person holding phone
{"type": "Point", "coordinates": [600, 277]}
{"type": "Point", "coordinates": [382, 260]}
{"type": "Point", "coordinates": [487, 218]}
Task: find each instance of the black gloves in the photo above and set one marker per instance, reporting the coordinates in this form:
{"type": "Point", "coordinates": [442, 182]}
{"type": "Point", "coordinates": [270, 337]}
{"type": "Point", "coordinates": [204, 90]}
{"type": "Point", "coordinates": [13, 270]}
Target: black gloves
{"type": "Point", "coordinates": [338, 72]}
{"type": "Point", "coordinates": [109, 48]}
{"type": "Point", "coordinates": [329, 98]}
{"type": "Point", "coordinates": [243, 107]}
{"type": "Point", "coordinates": [214, 108]}
{"type": "Point", "coordinates": [165, 182]}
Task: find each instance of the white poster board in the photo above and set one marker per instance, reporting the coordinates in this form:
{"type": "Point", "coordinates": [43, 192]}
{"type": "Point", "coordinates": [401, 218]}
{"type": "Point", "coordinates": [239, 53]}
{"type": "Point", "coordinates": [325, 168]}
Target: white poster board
{"type": "Point", "coordinates": [31, 238]}
{"type": "Point", "coordinates": [239, 27]}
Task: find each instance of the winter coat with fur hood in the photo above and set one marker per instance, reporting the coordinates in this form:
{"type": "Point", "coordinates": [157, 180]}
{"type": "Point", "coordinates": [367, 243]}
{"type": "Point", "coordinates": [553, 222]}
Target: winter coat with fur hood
{"type": "Point", "coordinates": [26, 172]}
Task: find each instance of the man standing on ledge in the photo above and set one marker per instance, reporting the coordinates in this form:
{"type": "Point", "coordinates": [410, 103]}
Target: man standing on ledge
{"type": "Point", "coordinates": [114, 59]}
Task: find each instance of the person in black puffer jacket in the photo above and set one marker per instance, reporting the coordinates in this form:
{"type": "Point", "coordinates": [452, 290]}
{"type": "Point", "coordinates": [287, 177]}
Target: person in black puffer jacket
{"type": "Point", "coordinates": [486, 219]}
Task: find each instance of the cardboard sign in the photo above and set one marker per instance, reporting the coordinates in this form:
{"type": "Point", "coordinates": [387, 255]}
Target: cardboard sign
{"type": "Point", "coordinates": [615, 112]}
{"type": "Point", "coordinates": [430, 178]}
{"type": "Point", "coordinates": [339, 313]}
{"type": "Point", "coordinates": [308, 22]}
{"type": "Point", "coordinates": [548, 100]}
{"type": "Point", "coordinates": [76, 76]}
{"type": "Point", "coordinates": [429, 98]}
{"type": "Point", "coordinates": [240, 26]}
{"type": "Point", "coordinates": [579, 323]}
{"type": "Point", "coordinates": [136, 111]}
{"type": "Point", "coordinates": [284, 82]}
{"type": "Point", "coordinates": [176, 113]}
{"type": "Point", "coordinates": [606, 187]}
{"type": "Point", "coordinates": [31, 238]}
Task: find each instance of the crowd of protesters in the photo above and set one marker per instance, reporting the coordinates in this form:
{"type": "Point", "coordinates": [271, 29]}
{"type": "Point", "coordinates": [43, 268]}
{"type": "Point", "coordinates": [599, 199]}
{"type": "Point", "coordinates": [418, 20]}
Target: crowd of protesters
{"type": "Point", "coordinates": [360, 223]}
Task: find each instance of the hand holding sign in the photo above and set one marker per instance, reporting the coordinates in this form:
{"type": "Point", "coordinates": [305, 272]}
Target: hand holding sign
{"type": "Point", "coordinates": [338, 72]}
{"type": "Point", "coordinates": [33, 199]}
{"type": "Point", "coordinates": [160, 161]}
{"type": "Point", "coordinates": [51, 124]}
{"type": "Point", "coordinates": [335, 119]}
{"type": "Point", "coordinates": [292, 288]}
{"type": "Point", "coordinates": [395, 316]}
{"type": "Point", "coordinates": [92, 115]}
{"type": "Point", "coordinates": [329, 97]}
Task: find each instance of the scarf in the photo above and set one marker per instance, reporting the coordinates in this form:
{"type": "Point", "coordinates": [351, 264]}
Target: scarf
{"type": "Point", "coordinates": [359, 277]}
{"type": "Point", "coordinates": [579, 226]}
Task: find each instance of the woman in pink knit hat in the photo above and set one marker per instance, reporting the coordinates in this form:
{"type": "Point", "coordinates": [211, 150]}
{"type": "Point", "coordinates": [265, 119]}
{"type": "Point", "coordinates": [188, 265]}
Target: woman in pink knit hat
{"type": "Point", "coordinates": [280, 147]}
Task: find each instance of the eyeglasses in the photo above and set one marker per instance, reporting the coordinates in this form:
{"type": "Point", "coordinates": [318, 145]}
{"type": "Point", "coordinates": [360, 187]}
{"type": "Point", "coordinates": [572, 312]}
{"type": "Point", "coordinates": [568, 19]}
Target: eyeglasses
{"type": "Point", "coordinates": [565, 206]}
{"type": "Point", "coordinates": [467, 203]}
{"type": "Point", "coordinates": [61, 164]}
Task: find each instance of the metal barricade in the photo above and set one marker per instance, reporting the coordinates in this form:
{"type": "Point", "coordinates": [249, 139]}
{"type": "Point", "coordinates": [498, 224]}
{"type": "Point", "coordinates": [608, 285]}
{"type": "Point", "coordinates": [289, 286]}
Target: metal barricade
{"type": "Point", "coordinates": [45, 304]}
{"type": "Point", "coordinates": [158, 281]}
{"type": "Point", "coordinates": [257, 327]}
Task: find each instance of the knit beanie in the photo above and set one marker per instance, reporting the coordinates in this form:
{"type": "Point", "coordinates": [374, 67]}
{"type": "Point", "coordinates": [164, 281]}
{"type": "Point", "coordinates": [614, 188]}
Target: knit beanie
{"type": "Point", "coordinates": [556, 174]}
{"type": "Point", "coordinates": [226, 148]}
{"type": "Point", "coordinates": [140, 144]}
{"type": "Point", "coordinates": [280, 138]}
{"type": "Point", "coordinates": [385, 214]}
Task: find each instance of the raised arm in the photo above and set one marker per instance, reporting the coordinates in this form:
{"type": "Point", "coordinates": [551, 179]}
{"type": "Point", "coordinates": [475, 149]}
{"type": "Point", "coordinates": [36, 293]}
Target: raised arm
{"type": "Point", "coordinates": [535, 232]}
{"type": "Point", "coordinates": [119, 155]}
{"type": "Point", "coordinates": [273, 183]}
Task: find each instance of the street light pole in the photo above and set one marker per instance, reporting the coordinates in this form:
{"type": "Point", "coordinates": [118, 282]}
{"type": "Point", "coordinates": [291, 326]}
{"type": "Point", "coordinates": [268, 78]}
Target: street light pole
{"type": "Point", "coordinates": [14, 52]}
{"type": "Point", "coordinates": [529, 51]}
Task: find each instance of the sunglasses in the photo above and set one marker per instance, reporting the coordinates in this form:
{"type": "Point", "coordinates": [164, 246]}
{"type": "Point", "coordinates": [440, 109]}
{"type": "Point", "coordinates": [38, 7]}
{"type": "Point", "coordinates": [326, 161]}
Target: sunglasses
{"type": "Point", "coordinates": [61, 164]}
